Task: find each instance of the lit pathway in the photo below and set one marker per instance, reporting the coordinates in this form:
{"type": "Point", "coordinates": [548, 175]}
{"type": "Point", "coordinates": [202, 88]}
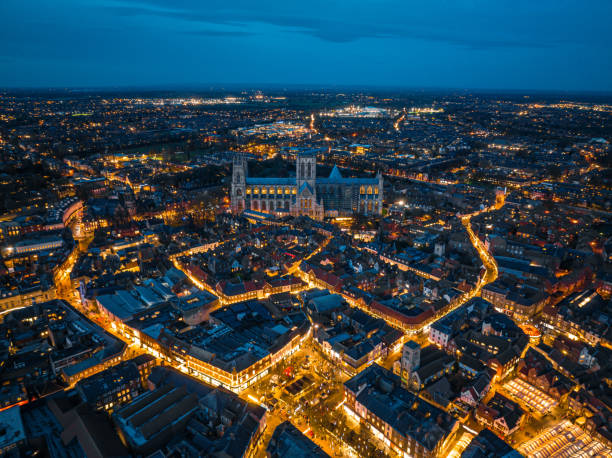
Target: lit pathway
{"type": "Point", "coordinates": [488, 261]}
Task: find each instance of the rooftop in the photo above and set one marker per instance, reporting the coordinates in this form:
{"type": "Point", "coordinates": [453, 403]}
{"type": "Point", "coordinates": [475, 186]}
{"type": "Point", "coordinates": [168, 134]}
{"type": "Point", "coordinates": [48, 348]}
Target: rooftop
{"type": "Point", "coordinates": [11, 427]}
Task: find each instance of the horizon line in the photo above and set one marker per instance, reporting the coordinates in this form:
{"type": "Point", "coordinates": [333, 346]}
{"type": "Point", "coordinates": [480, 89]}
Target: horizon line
{"type": "Point", "coordinates": [298, 86]}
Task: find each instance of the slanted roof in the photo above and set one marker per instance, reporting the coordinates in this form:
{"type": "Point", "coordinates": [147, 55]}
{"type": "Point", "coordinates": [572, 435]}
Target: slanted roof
{"type": "Point", "coordinates": [305, 187]}
{"type": "Point", "coordinates": [335, 174]}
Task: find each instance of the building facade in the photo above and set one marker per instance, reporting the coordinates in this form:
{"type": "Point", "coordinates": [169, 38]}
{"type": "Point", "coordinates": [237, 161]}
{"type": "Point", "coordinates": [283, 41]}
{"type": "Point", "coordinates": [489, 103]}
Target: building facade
{"type": "Point", "coordinates": [306, 194]}
{"type": "Point", "coordinates": [405, 423]}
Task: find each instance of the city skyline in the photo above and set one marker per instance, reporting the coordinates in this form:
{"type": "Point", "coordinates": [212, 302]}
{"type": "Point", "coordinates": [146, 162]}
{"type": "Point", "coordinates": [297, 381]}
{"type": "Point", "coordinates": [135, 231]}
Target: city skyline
{"type": "Point", "coordinates": [277, 268]}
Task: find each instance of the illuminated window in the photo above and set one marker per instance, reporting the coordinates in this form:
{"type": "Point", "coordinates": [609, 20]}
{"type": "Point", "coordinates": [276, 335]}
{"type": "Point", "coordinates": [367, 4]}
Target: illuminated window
{"type": "Point", "coordinates": [376, 190]}
{"type": "Point", "coordinates": [248, 191]}
{"type": "Point", "coordinates": [294, 191]}
{"type": "Point", "coordinates": [362, 190]}
{"type": "Point", "coordinates": [272, 191]}
{"type": "Point", "coordinates": [264, 190]}
{"type": "Point", "coordinates": [287, 191]}
{"type": "Point", "coordinates": [369, 189]}
{"type": "Point", "coordinates": [279, 190]}
{"type": "Point", "coordinates": [255, 190]}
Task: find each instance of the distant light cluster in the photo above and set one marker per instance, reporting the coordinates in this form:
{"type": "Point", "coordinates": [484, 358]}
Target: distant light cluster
{"type": "Point", "coordinates": [275, 129]}
{"type": "Point", "coordinates": [356, 111]}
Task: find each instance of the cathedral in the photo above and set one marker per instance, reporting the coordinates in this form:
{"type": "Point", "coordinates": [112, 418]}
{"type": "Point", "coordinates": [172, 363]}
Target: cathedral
{"type": "Point", "coordinates": [305, 194]}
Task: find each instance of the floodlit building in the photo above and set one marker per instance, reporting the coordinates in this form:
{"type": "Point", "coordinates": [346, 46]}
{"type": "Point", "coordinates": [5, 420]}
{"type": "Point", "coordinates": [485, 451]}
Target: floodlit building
{"type": "Point", "coordinates": [306, 194]}
{"type": "Point", "coordinates": [402, 421]}
{"type": "Point", "coordinates": [411, 356]}
{"type": "Point", "coordinates": [181, 417]}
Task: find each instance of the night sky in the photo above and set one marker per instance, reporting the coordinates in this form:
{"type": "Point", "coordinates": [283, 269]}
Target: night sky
{"type": "Point", "coordinates": [489, 44]}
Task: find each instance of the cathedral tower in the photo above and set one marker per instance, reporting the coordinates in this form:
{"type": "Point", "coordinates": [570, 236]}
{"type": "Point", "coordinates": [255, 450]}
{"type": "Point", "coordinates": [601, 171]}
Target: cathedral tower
{"type": "Point", "coordinates": [306, 175]}
{"type": "Point", "coordinates": [239, 174]}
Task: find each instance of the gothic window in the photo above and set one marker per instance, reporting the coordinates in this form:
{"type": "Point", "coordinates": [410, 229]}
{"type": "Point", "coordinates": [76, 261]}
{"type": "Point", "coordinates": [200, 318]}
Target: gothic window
{"type": "Point", "coordinates": [369, 189]}
{"type": "Point", "coordinates": [362, 190]}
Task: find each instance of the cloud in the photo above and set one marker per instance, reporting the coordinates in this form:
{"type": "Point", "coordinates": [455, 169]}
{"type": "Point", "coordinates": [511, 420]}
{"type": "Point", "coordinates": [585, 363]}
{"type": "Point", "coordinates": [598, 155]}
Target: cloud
{"type": "Point", "coordinates": [475, 28]}
{"type": "Point", "coordinates": [219, 33]}
{"type": "Point", "coordinates": [471, 43]}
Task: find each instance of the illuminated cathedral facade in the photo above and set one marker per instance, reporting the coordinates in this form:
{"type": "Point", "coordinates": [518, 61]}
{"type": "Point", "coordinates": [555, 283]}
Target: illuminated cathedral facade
{"type": "Point", "coordinates": [305, 194]}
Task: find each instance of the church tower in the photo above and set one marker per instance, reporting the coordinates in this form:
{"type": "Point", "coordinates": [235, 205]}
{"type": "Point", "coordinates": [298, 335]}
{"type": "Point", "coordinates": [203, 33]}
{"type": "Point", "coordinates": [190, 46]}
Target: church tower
{"type": "Point", "coordinates": [306, 175]}
{"type": "Point", "coordinates": [239, 174]}
{"type": "Point", "coordinates": [410, 360]}
{"type": "Point", "coordinates": [306, 168]}
{"type": "Point", "coordinates": [379, 194]}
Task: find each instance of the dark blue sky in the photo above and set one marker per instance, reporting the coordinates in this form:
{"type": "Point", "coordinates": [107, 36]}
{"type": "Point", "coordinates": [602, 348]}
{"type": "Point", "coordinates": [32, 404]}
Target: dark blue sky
{"type": "Point", "coordinates": [489, 44]}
